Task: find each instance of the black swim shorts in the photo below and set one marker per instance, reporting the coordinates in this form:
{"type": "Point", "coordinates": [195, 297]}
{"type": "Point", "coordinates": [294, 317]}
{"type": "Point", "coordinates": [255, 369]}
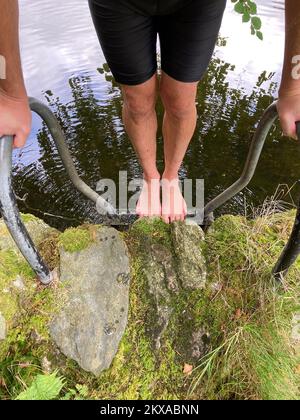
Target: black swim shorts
{"type": "Point", "coordinates": [128, 29]}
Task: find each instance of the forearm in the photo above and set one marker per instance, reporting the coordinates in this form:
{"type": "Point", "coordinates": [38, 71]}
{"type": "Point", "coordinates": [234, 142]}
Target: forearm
{"type": "Point", "coordinates": [290, 84]}
{"type": "Point", "coordinates": [13, 84]}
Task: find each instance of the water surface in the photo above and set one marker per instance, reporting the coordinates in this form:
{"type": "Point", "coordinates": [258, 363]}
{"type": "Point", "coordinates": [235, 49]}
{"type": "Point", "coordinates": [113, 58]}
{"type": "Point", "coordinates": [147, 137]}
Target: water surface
{"type": "Point", "coordinates": [64, 66]}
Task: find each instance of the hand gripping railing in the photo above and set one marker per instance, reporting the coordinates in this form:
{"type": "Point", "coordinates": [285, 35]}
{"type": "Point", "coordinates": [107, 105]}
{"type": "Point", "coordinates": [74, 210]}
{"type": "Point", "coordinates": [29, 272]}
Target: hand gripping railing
{"type": "Point", "coordinates": [8, 203]}
{"type": "Point", "coordinates": [292, 249]}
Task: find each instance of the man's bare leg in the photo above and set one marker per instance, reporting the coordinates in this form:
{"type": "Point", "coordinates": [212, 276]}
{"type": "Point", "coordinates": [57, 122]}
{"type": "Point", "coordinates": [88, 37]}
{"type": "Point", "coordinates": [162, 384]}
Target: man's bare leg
{"type": "Point", "coordinates": [178, 128]}
{"type": "Point", "coordinates": [140, 120]}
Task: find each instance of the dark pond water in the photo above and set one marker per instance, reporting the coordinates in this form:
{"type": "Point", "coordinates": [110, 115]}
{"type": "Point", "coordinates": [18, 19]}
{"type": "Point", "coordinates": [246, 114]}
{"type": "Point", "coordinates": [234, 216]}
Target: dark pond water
{"type": "Point", "coordinates": [65, 67]}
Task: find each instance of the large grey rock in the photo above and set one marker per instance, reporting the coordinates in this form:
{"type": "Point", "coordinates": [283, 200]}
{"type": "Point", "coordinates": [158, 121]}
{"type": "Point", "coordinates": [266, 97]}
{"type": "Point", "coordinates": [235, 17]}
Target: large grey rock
{"type": "Point", "coordinates": [188, 239]}
{"type": "Point", "coordinates": [2, 327]}
{"type": "Point", "coordinates": [92, 321]}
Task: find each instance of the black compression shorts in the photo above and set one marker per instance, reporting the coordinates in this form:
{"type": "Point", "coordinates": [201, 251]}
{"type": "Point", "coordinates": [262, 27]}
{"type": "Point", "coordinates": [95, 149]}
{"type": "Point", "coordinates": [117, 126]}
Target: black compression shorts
{"type": "Point", "coordinates": [127, 31]}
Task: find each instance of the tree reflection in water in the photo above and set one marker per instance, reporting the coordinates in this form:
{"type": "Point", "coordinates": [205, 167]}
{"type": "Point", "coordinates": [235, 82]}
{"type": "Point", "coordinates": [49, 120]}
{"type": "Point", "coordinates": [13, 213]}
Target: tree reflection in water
{"type": "Point", "coordinates": [101, 148]}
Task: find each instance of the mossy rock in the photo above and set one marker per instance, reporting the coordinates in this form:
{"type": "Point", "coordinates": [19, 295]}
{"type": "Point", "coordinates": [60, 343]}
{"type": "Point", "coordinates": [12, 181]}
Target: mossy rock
{"type": "Point", "coordinates": [37, 228]}
{"type": "Point", "coordinates": [234, 339]}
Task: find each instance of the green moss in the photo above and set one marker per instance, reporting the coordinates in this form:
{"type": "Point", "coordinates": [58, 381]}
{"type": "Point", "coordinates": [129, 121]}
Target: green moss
{"type": "Point", "coordinates": [248, 355]}
{"type": "Point", "coordinates": [153, 229]}
{"type": "Point", "coordinates": [28, 341]}
{"type": "Point", "coordinates": [251, 356]}
{"type": "Point", "coordinates": [27, 217]}
{"type": "Point", "coordinates": [11, 266]}
{"type": "Point", "coordinates": [75, 239]}
{"type": "Point", "coordinates": [27, 313]}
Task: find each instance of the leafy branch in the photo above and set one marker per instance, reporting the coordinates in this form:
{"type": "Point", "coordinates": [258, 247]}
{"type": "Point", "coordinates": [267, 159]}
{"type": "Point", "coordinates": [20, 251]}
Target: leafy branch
{"type": "Point", "coordinates": [248, 10]}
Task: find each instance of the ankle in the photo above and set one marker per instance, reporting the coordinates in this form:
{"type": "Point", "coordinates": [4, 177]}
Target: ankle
{"type": "Point", "coordinates": [170, 176]}
{"type": "Point", "coordinates": [151, 176]}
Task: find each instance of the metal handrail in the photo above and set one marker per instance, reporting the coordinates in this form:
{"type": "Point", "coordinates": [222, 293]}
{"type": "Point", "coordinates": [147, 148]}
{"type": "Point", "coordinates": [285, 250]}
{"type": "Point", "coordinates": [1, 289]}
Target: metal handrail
{"type": "Point", "coordinates": [11, 215]}
{"type": "Point", "coordinates": [59, 138]}
{"type": "Point", "coordinates": [258, 141]}
{"type": "Point", "coordinates": [292, 248]}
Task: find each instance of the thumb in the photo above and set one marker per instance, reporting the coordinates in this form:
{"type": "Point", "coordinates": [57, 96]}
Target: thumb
{"type": "Point", "coordinates": [19, 139]}
{"type": "Point", "coordinates": [288, 125]}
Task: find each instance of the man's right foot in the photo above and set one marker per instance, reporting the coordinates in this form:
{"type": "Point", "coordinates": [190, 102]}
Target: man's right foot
{"type": "Point", "coordinates": [149, 201]}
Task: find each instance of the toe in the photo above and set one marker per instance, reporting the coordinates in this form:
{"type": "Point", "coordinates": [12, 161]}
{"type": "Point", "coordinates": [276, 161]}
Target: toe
{"type": "Point", "coordinates": [165, 218]}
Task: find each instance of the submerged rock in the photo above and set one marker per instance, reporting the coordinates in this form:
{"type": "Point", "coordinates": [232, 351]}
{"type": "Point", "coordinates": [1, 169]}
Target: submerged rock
{"type": "Point", "coordinates": [92, 321]}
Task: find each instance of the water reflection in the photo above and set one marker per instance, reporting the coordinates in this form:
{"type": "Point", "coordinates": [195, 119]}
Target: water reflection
{"type": "Point", "coordinates": [101, 148]}
{"type": "Point", "coordinates": [63, 59]}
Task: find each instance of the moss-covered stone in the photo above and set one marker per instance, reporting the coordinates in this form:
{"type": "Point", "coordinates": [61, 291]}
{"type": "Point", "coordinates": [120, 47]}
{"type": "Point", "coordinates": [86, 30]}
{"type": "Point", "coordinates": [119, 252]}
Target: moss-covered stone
{"type": "Point", "coordinates": [238, 333]}
{"type": "Point", "coordinates": [37, 229]}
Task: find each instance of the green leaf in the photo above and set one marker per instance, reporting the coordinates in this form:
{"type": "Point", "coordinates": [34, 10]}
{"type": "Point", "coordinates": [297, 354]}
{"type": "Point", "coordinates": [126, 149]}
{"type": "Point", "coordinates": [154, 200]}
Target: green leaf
{"type": "Point", "coordinates": [259, 35]}
{"type": "Point", "coordinates": [246, 17]}
{"type": "Point", "coordinates": [256, 22]}
{"type": "Point", "coordinates": [240, 7]}
{"type": "Point", "coordinates": [253, 7]}
{"type": "Point", "coordinates": [44, 387]}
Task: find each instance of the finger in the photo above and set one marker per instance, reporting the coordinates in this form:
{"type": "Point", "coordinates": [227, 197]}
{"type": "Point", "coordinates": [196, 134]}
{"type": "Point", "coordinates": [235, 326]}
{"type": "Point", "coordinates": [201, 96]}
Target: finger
{"type": "Point", "coordinates": [288, 125]}
{"type": "Point", "coordinates": [19, 139]}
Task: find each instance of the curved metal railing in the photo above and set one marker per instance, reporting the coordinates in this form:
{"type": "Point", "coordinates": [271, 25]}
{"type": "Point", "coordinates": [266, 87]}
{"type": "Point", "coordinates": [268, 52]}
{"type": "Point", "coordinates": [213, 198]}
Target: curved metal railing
{"type": "Point", "coordinates": [59, 138]}
{"type": "Point", "coordinates": [258, 141]}
{"type": "Point", "coordinates": [11, 216]}
{"type": "Point", "coordinates": [292, 249]}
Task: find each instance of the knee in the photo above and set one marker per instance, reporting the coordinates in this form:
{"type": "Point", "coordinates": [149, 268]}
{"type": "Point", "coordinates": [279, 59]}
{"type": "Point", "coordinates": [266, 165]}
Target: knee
{"type": "Point", "coordinates": [138, 106]}
{"type": "Point", "coordinates": [178, 106]}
